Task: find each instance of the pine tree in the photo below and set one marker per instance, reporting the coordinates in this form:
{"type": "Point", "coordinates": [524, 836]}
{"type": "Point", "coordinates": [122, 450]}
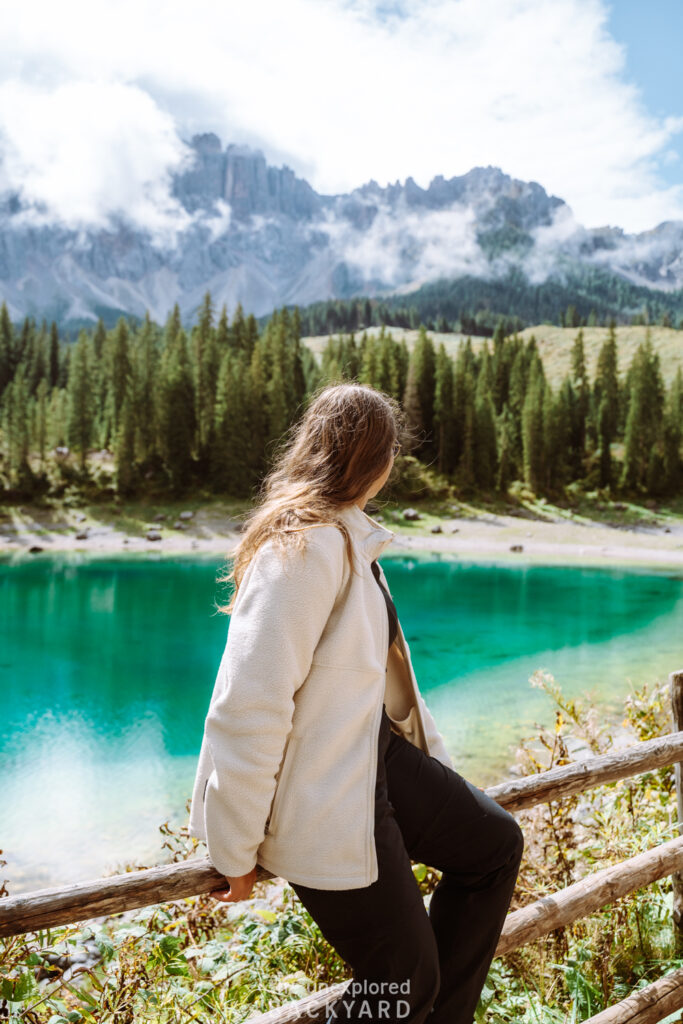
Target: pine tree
{"type": "Point", "coordinates": [582, 390]}
{"type": "Point", "coordinates": [444, 419]}
{"type": "Point", "coordinates": [53, 378]}
{"type": "Point", "coordinates": [466, 471]}
{"type": "Point", "coordinates": [412, 408]}
{"type": "Point", "coordinates": [672, 469]}
{"type": "Point", "coordinates": [421, 381]}
{"type": "Point", "coordinates": [606, 400]}
{"type": "Point", "coordinates": [118, 369]}
{"type": "Point", "coordinates": [81, 410]}
{"type": "Point", "coordinates": [506, 432]}
{"type": "Point", "coordinates": [7, 361]}
{"type": "Point", "coordinates": [257, 413]}
{"type": "Point", "coordinates": [370, 362]}
{"type": "Point", "coordinates": [124, 449]}
{"type": "Point", "coordinates": [230, 470]}
{"type": "Point", "coordinates": [485, 449]}
{"type": "Point", "coordinates": [100, 339]}
{"type": "Point", "coordinates": [145, 362]}
{"type": "Point", "coordinates": [176, 413]}
{"type": "Point", "coordinates": [644, 418]}
{"type": "Point", "coordinates": [532, 431]}
{"type": "Point", "coordinates": [16, 424]}
{"type": "Point", "coordinates": [41, 420]}
{"type": "Point", "coordinates": [206, 370]}
{"type": "Point", "coordinates": [500, 368]}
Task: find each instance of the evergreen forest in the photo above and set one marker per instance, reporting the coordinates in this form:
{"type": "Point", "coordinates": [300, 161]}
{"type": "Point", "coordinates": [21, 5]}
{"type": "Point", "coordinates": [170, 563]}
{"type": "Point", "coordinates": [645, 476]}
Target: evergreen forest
{"type": "Point", "coordinates": [203, 408]}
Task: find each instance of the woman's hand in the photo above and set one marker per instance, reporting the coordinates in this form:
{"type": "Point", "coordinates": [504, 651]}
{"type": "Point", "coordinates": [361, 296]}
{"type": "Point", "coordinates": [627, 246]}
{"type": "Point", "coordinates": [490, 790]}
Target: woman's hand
{"type": "Point", "coordinates": [239, 888]}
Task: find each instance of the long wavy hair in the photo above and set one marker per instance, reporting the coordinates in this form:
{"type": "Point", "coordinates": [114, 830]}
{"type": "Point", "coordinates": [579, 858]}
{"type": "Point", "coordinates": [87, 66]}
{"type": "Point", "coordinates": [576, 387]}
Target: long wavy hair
{"type": "Point", "coordinates": [328, 459]}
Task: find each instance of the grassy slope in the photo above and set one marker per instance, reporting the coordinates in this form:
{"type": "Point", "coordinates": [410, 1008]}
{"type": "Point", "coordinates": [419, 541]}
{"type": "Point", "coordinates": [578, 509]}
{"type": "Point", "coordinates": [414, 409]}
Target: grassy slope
{"type": "Point", "coordinates": [555, 345]}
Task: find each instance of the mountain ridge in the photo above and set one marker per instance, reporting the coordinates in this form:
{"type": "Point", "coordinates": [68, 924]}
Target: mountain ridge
{"type": "Point", "coordinates": [261, 235]}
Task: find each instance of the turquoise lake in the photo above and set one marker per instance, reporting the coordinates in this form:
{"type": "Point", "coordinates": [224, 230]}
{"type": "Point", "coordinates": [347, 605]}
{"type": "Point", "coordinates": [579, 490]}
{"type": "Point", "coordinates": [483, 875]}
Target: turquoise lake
{"type": "Point", "coordinates": [107, 666]}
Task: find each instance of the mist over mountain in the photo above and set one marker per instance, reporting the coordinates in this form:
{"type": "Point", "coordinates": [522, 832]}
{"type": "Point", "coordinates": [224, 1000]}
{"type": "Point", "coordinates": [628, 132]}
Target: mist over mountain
{"type": "Point", "coordinates": [262, 236]}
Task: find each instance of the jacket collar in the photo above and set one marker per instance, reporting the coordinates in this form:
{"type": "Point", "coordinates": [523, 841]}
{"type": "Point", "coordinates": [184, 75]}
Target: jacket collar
{"type": "Point", "coordinates": [371, 537]}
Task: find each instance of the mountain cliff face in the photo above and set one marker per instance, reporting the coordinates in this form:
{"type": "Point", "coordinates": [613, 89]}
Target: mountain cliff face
{"type": "Point", "coordinates": [261, 236]}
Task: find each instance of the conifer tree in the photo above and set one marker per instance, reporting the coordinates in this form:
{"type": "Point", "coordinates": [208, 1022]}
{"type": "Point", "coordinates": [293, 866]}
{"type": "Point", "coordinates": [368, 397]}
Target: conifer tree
{"type": "Point", "coordinates": [517, 392]}
{"type": "Point", "coordinates": [53, 359]}
{"type": "Point", "coordinates": [257, 413]}
{"type": "Point", "coordinates": [532, 430]}
{"type": "Point", "coordinates": [499, 391]}
{"type": "Point", "coordinates": [370, 362]}
{"type": "Point", "coordinates": [230, 471]}
{"type": "Point", "coordinates": [421, 381]}
{"type": "Point", "coordinates": [485, 449]}
{"type": "Point", "coordinates": [177, 416]}
{"type": "Point", "coordinates": [41, 430]}
{"type": "Point", "coordinates": [582, 390]}
{"type": "Point", "coordinates": [466, 470]}
{"type": "Point", "coordinates": [81, 409]}
{"type": "Point", "coordinates": [644, 418]}
{"type": "Point", "coordinates": [99, 339]}
{"type": "Point", "coordinates": [672, 469]}
{"type": "Point", "coordinates": [145, 377]}
{"type": "Point", "coordinates": [36, 363]}
{"type": "Point", "coordinates": [251, 334]}
{"type": "Point", "coordinates": [556, 436]}
{"type": "Point", "coordinates": [389, 371]}
{"type": "Point", "coordinates": [444, 419]}
{"type": "Point", "coordinates": [118, 370]}
{"type": "Point", "coordinates": [205, 370]}
{"type": "Point", "coordinates": [223, 334]}
{"type": "Point", "coordinates": [606, 400]}
{"type": "Point", "coordinates": [7, 362]}
{"type": "Point", "coordinates": [506, 460]}
{"type": "Point", "coordinates": [124, 448]}
{"type": "Point", "coordinates": [58, 417]}
{"type": "Point", "coordinates": [412, 409]}
{"type": "Point", "coordinates": [16, 424]}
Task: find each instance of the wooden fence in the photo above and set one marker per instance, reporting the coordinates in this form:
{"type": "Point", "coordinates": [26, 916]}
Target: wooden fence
{"type": "Point", "coordinates": [103, 896]}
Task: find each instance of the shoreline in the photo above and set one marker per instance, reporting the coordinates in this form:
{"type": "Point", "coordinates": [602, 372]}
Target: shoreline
{"type": "Point", "coordinates": [482, 537]}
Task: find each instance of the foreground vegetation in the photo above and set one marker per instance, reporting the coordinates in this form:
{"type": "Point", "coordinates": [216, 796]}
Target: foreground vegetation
{"type": "Point", "coordinates": [196, 960]}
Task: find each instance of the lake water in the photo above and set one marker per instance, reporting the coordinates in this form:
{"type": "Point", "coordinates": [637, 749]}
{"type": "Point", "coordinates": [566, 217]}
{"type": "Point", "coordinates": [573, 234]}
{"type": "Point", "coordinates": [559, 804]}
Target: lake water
{"type": "Point", "coordinates": [107, 666]}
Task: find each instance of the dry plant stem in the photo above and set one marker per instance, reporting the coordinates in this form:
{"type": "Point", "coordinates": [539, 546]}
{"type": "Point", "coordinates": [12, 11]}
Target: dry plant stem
{"type": "Point", "coordinates": [676, 687]}
{"type": "Point", "coordinates": [589, 894]}
{"type": "Point", "coordinates": [647, 1006]}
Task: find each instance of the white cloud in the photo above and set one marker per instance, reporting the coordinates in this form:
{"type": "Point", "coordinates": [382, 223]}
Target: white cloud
{"type": "Point", "coordinates": [344, 90]}
{"type": "Point", "coordinates": [404, 246]}
{"type": "Point", "coordinates": [85, 150]}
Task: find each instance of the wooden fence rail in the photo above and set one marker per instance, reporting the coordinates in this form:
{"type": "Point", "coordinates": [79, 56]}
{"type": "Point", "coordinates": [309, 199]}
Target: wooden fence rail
{"type": "Point", "coordinates": [105, 896]}
{"type": "Point", "coordinates": [47, 908]}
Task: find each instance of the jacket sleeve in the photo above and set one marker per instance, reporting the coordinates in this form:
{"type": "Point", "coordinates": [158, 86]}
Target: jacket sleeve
{"type": "Point", "coordinates": [279, 615]}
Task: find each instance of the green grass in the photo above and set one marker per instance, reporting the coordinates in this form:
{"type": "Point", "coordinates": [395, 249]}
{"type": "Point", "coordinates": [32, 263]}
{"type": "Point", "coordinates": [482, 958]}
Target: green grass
{"type": "Point", "coordinates": [554, 345]}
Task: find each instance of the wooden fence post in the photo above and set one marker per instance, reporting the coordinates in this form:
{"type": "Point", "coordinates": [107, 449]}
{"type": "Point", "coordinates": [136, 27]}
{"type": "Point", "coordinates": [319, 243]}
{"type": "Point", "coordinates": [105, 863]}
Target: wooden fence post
{"type": "Point", "coordinates": [676, 683]}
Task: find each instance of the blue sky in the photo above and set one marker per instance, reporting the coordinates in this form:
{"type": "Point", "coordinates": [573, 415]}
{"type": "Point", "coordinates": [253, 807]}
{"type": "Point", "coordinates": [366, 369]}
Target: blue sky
{"type": "Point", "coordinates": [652, 35]}
{"type": "Point", "coordinates": [98, 98]}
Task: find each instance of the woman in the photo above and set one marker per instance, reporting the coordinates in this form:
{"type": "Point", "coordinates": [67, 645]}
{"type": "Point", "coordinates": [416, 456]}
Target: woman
{"type": "Point", "coordinates": [321, 761]}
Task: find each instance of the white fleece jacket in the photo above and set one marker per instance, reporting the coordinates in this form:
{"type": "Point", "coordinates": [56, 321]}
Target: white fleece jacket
{"type": "Point", "coordinates": [287, 769]}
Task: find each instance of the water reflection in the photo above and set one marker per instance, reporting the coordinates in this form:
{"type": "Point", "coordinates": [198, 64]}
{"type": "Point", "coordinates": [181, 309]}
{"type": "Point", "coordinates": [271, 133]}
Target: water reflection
{"type": "Point", "coordinates": [107, 664]}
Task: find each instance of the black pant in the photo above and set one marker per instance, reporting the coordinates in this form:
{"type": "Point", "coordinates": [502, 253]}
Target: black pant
{"type": "Point", "coordinates": [406, 961]}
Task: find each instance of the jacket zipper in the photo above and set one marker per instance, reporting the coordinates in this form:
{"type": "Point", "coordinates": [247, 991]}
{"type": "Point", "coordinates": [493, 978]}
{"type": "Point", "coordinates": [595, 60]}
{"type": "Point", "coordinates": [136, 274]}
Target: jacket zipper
{"type": "Point", "coordinates": [375, 745]}
{"type": "Point", "coordinates": [423, 739]}
{"type": "Point", "coordinates": [404, 652]}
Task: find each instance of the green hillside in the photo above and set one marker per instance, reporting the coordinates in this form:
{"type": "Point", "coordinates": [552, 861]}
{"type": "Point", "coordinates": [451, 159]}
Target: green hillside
{"type": "Point", "coordinates": [554, 345]}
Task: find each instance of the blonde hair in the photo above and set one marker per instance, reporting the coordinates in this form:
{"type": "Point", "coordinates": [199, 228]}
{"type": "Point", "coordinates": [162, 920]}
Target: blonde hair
{"type": "Point", "coordinates": [327, 460]}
